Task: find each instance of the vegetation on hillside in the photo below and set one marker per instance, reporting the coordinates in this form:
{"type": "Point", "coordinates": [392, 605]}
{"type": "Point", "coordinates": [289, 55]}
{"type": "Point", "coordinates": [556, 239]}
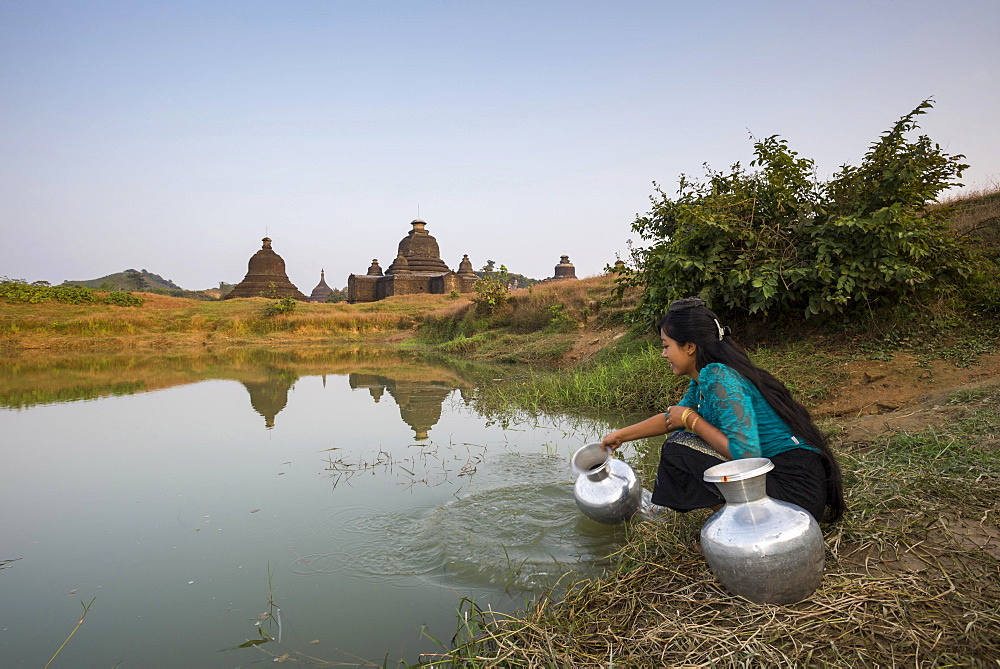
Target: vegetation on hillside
{"type": "Point", "coordinates": [776, 241]}
{"type": "Point", "coordinates": [143, 281]}
{"type": "Point", "coordinates": [15, 290]}
{"type": "Point", "coordinates": [129, 279]}
{"type": "Point", "coordinates": [538, 324]}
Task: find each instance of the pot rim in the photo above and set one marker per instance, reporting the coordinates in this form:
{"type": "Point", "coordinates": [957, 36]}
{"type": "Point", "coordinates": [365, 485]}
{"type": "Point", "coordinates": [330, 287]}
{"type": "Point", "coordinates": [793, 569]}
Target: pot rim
{"type": "Point", "coordinates": [738, 470]}
{"type": "Point", "coordinates": [590, 449]}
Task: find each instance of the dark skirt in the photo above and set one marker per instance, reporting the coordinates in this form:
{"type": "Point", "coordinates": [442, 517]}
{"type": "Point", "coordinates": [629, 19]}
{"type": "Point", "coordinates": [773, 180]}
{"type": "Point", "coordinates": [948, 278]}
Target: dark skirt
{"type": "Point", "coordinates": [799, 477]}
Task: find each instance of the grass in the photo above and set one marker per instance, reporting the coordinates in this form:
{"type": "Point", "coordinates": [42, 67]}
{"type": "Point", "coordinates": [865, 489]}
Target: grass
{"type": "Point", "coordinates": [633, 382]}
{"type": "Point", "coordinates": [976, 214]}
{"type": "Point", "coordinates": [169, 321]}
{"type": "Point", "coordinates": [537, 325]}
{"type": "Point", "coordinates": [633, 379]}
{"type": "Point", "coordinates": [912, 578]}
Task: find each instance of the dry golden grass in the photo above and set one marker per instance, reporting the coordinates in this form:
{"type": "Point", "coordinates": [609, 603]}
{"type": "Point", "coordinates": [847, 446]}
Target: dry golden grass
{"type": "Point", "coordinates": [582, 302]}
{"type": "Point", "coordinates": [455, 310]}
{"type": "Point", "coordinates": [976, 214]}
{"type": "Point", "coordinates": [164, 321]}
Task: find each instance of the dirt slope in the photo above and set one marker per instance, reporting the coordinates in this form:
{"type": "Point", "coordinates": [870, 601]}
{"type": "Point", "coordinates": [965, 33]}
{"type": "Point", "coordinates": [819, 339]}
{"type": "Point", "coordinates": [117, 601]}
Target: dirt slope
{"type": "Point", "coordinates": [901, 396]}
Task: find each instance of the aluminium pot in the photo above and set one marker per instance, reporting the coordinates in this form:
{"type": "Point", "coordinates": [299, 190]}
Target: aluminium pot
{"type": "Point", "coordinates": [760, 548]}
{"type": "Point", "coordinates": [606, 488]}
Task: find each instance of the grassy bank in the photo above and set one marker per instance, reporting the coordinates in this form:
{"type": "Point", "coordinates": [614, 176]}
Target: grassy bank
{"type": "Point", "coordinates": [163, 322]}
{"type": "Point", "coordinates": [912, 577]}
{"type": "Point", "coordinates": [913, 572]}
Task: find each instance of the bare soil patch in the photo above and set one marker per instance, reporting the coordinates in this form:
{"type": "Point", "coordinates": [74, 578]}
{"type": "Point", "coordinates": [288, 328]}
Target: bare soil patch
{"type": "Point", "coordinates": [901, 395]}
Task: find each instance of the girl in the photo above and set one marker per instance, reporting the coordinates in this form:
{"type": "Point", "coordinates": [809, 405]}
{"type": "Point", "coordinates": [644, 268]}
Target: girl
{"type": "Point", "coordinates": [739, 411]}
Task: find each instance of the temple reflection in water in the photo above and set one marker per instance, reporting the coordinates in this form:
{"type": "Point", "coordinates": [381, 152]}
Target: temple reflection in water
{"type": "Point", "coordinates": [418, 388]}
{"type": "Point", "coordinates": [270, 396]}
{"type": "Point", "coordinates": [419, 401]}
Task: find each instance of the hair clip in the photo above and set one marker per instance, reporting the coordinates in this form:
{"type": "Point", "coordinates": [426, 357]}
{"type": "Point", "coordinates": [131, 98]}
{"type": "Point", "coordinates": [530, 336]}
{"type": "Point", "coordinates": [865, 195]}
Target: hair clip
{"type": "Point", "coordinates": [722, 330]}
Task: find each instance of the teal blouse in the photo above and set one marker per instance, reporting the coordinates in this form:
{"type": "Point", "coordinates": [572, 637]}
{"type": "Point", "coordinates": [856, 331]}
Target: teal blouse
{"type": "Point", "coordinates": [730, 402]}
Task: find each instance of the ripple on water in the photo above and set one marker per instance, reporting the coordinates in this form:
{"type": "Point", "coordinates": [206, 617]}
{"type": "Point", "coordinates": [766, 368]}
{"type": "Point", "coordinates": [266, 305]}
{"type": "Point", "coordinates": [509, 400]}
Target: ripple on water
{"type": "Point", "coordinates": [517, 527]}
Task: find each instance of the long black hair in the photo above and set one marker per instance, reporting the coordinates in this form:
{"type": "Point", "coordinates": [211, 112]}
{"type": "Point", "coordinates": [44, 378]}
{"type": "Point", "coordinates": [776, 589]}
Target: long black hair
{"type": "Point", "coordinates": [689, 320]}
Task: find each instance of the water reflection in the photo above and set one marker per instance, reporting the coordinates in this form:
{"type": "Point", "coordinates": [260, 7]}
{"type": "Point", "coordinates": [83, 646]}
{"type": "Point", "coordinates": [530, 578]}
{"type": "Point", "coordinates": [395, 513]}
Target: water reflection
{"type": "Point", "coordinates": [375, 498]}
{"type": "Point", "coordinates": [418, 387]}
{"type": "Point", "coordinates": [268, 397]}
{"type": "Point", "coordinates": [419, 401]}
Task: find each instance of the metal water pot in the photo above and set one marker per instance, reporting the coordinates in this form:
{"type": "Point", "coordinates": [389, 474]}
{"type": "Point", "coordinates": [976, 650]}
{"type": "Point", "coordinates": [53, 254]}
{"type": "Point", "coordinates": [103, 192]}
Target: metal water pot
{"type": "Point", "coordinates": [765, 550]}
{"type": "Point", "coordinates": [606, 488]}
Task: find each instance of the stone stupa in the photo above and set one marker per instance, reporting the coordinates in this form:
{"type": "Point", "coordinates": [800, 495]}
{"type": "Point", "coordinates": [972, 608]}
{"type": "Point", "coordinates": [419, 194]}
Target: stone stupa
{"type": "Point", "coordinates": [564, 270]}
{"type": "Point", "coordinates": [322, 291]}
{"type": "Point", "coordinates": [266, 277]}
{"type": "Point", "coordinates": [417, 268]}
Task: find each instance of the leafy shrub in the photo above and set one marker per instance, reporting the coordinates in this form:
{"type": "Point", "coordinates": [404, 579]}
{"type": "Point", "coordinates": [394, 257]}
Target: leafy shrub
{"type": "Point", "coordinates": [123, 299]}
{"type": "Point", "coordinates": [285, 305]}
{"type": "Point", "coordinates": [492, 290]}
{"type": "Point", "coordinates": [776, 241]}
{"type": "Point", "coordinates": [560, 320]}
{"type": "Point", "coordinates": [15, 290]}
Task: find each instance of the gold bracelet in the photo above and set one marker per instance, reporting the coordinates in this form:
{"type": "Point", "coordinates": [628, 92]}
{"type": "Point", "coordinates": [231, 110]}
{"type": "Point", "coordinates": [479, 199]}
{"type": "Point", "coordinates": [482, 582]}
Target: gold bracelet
{"type": "Point", "coordinates": [684, 417]}
{"type": "Point", "coordinates": [696, 419]}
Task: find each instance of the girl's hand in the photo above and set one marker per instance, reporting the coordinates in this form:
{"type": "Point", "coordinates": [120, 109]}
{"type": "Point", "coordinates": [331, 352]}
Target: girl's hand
{"type": "Point", "coordinates": [680, 418]}
{"type": "Point", "coordinates": [612, 441]}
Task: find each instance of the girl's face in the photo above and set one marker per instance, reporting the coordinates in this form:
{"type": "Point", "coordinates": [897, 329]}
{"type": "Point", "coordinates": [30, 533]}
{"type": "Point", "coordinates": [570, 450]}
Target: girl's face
{"type": "Point", "coordinates": [681, 356]}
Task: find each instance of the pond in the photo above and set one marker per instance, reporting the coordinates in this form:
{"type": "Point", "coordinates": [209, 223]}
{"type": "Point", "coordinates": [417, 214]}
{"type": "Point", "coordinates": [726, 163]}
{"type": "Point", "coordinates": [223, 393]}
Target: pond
{"type": "Point", "coordinates": [344, 502]}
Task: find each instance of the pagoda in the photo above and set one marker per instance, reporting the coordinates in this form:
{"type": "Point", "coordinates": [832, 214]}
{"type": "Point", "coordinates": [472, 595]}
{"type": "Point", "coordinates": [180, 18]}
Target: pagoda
{"type": "Point", "coordinates": [418, 268]}
{"type": "Point", "coordinates": [564, 270]}
{"type": "Point", "coordinates": [266, 277]}
{"type": "Point", "coordinates": [322, 291]}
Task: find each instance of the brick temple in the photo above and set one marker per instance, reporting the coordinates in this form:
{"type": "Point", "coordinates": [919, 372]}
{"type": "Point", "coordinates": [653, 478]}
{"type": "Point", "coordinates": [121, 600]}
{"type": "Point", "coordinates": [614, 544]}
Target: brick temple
{"type": "Point", "coordinates": [322, 291]}
{"type": "Point", "coordinates": [265, 277]}
{"type": "Point", "coordinates": [418, 268]}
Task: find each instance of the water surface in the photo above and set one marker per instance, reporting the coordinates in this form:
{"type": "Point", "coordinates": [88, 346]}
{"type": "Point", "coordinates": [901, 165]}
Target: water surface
{"type": "Point", "coordinates": [346, 501]}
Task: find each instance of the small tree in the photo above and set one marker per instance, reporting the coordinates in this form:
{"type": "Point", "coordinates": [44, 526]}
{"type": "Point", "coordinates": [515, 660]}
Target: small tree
{"type": "Point", "coordinates": [492, 291]}
{"type": "Point", "coordinates": [283, 307]}
{"type": "Point", "coordinates": [133, 280]}
{"type": "Point", "coordinates": [337, 295]}
{"type": "Point", "coordinates": [776, 240]}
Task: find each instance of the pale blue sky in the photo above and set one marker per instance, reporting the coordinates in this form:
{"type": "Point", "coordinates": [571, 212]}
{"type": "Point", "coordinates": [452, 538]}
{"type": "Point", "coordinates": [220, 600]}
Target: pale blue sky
{"type": "Point", "coordinates": [170, 136]}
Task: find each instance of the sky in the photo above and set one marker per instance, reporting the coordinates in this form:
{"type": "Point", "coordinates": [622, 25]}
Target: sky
{"type": "Point", "coordinates": [172, 136]}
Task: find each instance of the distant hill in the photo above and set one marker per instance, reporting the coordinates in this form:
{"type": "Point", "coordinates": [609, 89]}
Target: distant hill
{"type": "Point", "coordinates": [130, 279]}
{"type": "Point", "coordinates": [143, 281]}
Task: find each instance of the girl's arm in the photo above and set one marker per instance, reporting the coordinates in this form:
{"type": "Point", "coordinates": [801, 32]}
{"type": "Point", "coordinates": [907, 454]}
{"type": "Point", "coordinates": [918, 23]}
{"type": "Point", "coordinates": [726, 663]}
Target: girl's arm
{"type": "Point", "coordinates": [734, 434]}
{"type": "Point", "coordinates": [651, 427]}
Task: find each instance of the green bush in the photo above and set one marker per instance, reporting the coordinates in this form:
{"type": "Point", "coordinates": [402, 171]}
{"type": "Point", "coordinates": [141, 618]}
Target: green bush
{"type": "Point", "coordinates": [492, 290]}
{"type": "Point", "coordinates": [776, 241]}
{"type": "Point", "coordinates": [123, 299]}
{"type": "Point", "coordinates": [560, 320]}
{"type": "Point", "coordinates": [15, 290]}
{"type": "Point", "coordinates": [285, 305]}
